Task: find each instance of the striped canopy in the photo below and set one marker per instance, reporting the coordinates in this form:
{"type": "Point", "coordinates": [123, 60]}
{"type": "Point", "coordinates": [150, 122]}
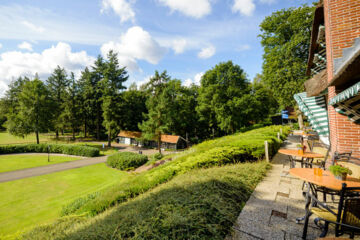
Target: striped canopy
{"type": "Point", "coordinates": [314, 108]}
{"type": "Point", "coordinates": [348, 102]}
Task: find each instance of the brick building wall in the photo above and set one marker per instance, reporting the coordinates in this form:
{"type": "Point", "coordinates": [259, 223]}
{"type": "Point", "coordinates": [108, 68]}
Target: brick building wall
{"type": "Point", "coordinates": [342, 26]}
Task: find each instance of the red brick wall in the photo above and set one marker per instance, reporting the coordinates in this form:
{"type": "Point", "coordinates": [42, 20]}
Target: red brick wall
{"type": "Point", "coordinates": [342, 24]}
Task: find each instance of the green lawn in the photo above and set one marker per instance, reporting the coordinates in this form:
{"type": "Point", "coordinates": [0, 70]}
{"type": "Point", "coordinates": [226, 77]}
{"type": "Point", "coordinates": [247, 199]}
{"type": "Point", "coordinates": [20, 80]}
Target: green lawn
{"type": "Point", "coordinates": [32, 201]}
{"type": "Point", "coordinates": [16, 162]}
{"type": "Point", "coordinates": [6, 138]}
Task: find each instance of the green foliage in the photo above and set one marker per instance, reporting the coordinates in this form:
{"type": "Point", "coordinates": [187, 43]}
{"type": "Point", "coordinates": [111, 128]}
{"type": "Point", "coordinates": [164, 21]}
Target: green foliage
{"type": "Point", "coordinates": [226, 150]}
{"type": "Point", "coordinates": [202, 204]}
{"type": "Point", "coordinates": [285, 36]}
{"type": "Point", "coordinates": [126, 160]}
{"type": "Point", "coordinates": [52, 148]}
{"type": "Point", "coordinates": [73, 206]}
{"type": "Point", "coordinates": [221, 97]}
{"type": "Point", "coordinates": [33, 114]}
{"type": "Point", "coordinates": [339, 170]}
{"type": "Point", "coordinates": [112, 85]}
{"type": "Point", "coordinates": [158, 156]}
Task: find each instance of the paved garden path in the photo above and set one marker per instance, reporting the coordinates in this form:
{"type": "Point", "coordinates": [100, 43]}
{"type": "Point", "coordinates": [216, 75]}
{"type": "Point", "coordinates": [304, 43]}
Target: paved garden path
{"type": "Point", "coordinates": [277, 201]}
{"type": "Point", "coordinates": [37, 171]}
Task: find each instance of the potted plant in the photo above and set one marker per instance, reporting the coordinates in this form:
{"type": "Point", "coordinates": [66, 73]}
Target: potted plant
{"type": "Point", "coordinates": [340, 172]}
{"type": "Point", "coordinates": [301, 148]}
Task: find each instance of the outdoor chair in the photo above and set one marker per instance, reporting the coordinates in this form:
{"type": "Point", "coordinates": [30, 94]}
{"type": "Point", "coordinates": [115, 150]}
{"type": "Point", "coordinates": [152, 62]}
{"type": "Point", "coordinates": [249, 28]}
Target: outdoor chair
{"type": "Point", "coordinates": [322, 149]}
{"type": "Point", "coordinates": [337, 157]}
{"type": "Point", "coordinates": [346, 217]}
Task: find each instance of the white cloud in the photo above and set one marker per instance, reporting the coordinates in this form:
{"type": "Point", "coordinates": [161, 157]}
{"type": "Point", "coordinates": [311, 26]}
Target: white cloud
{"type": "Point", "coordinates": [15, 63]}
{"type": "Point", "coordinates": [207, 52]}
{"type": "Point", "coordinates": [179, 45]}
{"type": "Point", "coordinates": [245, 7]}
{"type": "Point", "coordinates": [191, 8]}
{"type": "Point", "coordinates": [196, 80]}
{"type": "Point", "coordinates": [0, 45]}
{"type": "Point", "coordinates": [135, 44]}
{"type": "Point", "coordinates": [33, 27]}
{"type": "Point", "coordinates": [121, 7]}
{"type": "Point", "coordinates": [26, 46]}
{"type": "Point", "coordinates": [144, 81]}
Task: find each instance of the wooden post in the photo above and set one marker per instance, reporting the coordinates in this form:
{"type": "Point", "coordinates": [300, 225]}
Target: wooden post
{"type": "Point", "coordinates": [281, 130]}
{"type": "Point", "coordinates": [278, 136]}
{"type": "Point", "coordinates": [267, 151]}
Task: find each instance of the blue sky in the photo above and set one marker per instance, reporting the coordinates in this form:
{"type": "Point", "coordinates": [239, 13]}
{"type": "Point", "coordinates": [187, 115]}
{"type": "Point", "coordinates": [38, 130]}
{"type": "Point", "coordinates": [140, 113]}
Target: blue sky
{"type": "Point", "coordinates": [184, 37]}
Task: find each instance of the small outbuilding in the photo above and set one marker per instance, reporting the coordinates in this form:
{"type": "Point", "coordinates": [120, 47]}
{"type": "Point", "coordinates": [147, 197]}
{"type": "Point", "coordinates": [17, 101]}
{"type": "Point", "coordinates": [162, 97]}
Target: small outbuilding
{"type": "Point", "coordinates": [167, 141]}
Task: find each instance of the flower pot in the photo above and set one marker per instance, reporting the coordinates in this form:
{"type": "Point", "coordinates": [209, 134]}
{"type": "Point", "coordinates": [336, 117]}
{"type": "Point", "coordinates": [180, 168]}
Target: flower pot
{"type": "Point", "coordinates": [341, 177]}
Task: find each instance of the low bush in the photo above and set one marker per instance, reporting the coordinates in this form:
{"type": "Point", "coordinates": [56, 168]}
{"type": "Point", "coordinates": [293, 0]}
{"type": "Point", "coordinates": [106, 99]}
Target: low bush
{"type": "Point", "coordinates": [73, 206]}
{"type": "Point", "coordinates": [52, 148]}
{"type": "Point", "coordinates": [126, 160]}
{"type": "Point", "coordinates": [248, 146]}
{"type": "Point", "coordinates": [157, 156]}
{"type": "Point", "coordinates": [201, 204]}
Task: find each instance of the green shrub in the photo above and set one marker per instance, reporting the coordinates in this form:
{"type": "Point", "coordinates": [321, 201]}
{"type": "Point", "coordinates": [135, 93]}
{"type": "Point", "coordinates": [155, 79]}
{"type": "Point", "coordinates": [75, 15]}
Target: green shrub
{"type": "Point", "coordinates": [52, 148]}
{"type": "Point", "coordinates": [201, 204]}
{"type": "Point", "coordinates": [73, 206]}
{"type": "Point", "coordinates": [126, 160]}
{"type": "Point", "coordinates": [158, 156]}
{"type": "Point", "coordinates": [226, 150]}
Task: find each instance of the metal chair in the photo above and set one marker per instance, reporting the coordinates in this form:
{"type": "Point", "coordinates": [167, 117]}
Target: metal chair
{"type": "Point", "coordinates": [346, 217]}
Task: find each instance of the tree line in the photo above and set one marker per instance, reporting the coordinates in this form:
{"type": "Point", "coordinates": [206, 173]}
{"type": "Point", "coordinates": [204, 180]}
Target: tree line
{"type": "Point", "coordinates": [98, 105]}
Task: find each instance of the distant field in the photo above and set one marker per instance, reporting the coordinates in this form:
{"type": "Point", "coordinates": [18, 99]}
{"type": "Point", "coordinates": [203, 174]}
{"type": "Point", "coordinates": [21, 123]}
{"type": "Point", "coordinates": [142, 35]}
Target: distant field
{"type": "Point", "coordinates": [32, 201]}
{"type": "Point", "coordinates": [16, 162]}
{"type": "Point", "coordinates": [6, 138]}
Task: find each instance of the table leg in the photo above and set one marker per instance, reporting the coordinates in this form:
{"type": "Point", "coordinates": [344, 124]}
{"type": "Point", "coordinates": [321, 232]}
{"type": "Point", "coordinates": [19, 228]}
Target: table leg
{"type": "Point", "coordinates": [307, 211]}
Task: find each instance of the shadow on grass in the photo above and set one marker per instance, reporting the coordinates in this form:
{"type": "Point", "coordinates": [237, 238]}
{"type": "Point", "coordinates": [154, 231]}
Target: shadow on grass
{"type": "Point", "coordinates": [191, 206]}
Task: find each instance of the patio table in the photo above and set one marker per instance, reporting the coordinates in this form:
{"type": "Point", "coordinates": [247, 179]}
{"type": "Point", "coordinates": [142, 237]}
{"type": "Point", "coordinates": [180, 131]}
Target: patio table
{"type": "Point", "coordinates": [306, 157]}
{"type": "Point", "coordinates": [327, 180]}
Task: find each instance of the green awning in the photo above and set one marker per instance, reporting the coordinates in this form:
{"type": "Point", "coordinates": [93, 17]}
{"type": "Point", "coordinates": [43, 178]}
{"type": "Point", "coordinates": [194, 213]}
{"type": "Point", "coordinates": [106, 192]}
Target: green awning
{"type": "Point", "coordinates": [348, 102]}
{"type": "Point", "coordinates": [314, 108]}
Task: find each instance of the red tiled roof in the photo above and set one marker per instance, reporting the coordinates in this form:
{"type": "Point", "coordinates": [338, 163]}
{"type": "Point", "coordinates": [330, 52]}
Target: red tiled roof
{"type": "Point", "coordinates": [170, 138]}
{"type": "Point", "coordinates": [129, 134]}
{"type": "Point", "coordinates": [164, 138]}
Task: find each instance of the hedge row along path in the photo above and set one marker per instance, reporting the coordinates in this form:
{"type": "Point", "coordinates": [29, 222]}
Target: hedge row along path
{"type": "Point", "coordinates": [37, 171]}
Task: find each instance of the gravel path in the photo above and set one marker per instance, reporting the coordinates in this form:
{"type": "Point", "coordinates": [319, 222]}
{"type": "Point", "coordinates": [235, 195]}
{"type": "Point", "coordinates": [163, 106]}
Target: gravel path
{"type": "Point", "coordinates": [37, 171]}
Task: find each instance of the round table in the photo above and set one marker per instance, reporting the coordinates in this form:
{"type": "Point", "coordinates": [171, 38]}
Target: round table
{"type": "Point", "coordinates": [295, 153]}
{"type": "Point", "coordinates": [306, 157]}
{"type": "Point", "coordinates": [326, 180]}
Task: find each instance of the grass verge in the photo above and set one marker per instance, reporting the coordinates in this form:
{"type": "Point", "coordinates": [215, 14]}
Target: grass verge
{"type": "Point", "coordinates": [201, 204]}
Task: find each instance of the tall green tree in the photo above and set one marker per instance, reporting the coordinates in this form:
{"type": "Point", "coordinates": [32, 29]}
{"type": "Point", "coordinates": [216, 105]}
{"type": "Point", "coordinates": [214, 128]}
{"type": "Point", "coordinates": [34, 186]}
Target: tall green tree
{"type": "Point", "coordinates": [157, 104]}
{"type": "Point", "coordinates": [33, 111]}
{"type": "Point", "coordinates": [222, 88]}
{"type": "Point", "coordinates": [285, 37]}
{"type": "Point", "coordinates": [71, 113]}
{"type": "Point", "coordinates": [133, 108]}
{"type": "Point", "coordinates": [57, 84]}
{"type": "Point", "coordinates": [112, 86]}
{"type": "Point", "coordinates": [97, 75]}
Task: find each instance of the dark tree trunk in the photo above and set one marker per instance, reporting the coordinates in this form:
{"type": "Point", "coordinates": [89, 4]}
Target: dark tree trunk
{"type": "Point", "coordinates": [62, 132]}
{"type": "Point", "coordinates": [98, 124]}
{"type": "Point", "coordinates": [85, 128]}
{"type": "Point", "coordinates": [159, 143]}
{"type": "Point", "coordinates": [109, 137]}
{"type": "Point", "coordinates": [37, 137]}
{"type": "Point", "coordinates": [73, 132]}
{"type": "Point", "coordinates": [57, 134]}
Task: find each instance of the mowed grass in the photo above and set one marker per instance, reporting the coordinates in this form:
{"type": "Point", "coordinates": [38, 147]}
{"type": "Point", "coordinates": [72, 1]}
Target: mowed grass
{"type": "Point", "coordinates": [21, 161]}
{"type": "Point", "coordinates": [37, 200]}
{"type": "Point", "coordinates": [7, 138]}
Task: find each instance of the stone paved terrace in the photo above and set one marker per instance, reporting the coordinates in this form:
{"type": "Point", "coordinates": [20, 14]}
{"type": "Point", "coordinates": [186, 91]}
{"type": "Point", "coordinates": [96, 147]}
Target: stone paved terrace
{"type": "Point", "coordinates": [277, 201]}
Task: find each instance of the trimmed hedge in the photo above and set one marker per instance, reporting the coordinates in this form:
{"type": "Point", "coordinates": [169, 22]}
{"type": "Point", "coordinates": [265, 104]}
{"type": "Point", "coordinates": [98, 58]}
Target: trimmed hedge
{"type": "Point", "coordinates": [54, 148]}
{"type": "Point", "coordinates": [126, 160]}
{"type": "Point", "coordinates": [241, 147]}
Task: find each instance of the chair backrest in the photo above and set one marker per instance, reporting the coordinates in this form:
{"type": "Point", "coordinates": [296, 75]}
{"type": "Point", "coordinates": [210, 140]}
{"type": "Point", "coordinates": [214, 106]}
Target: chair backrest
{"type": "Point", "coordinates": [349, 208]}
